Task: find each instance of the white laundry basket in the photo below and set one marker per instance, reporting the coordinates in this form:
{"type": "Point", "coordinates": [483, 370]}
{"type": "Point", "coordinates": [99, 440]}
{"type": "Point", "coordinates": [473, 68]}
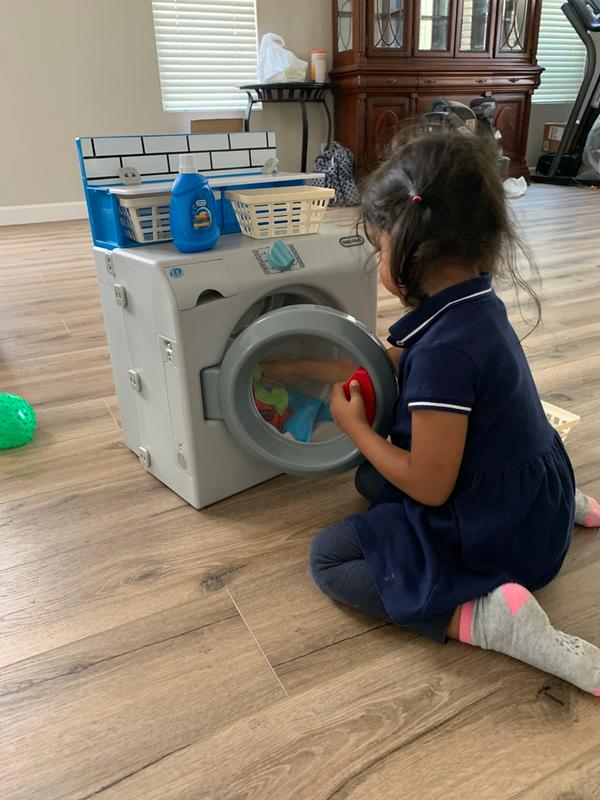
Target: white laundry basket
{"type": "Point", "coordinates": [287, 211]}
{"type": "Point", "coordinates": [146, 217]}
{"type": "Point", "coordinates": [563, 421]}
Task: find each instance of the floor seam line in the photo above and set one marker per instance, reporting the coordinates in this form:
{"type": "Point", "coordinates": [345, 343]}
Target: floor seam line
{"type": "Point", "coordinates": [264, 655]}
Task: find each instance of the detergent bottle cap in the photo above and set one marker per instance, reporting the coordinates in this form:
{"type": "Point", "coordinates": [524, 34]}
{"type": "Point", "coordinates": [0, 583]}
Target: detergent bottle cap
{"type": "Point", "coordinates": [187, 163]}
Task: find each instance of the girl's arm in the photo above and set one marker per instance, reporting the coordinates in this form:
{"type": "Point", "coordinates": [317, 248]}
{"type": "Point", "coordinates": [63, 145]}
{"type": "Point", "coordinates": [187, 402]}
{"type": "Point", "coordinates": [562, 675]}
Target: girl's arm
{"type": "Point", "coordinates": [289, 369]}
{"type": "Point", "coordinates": [428, 472]}
{"type": "Point", "coordinates": [332, 371]}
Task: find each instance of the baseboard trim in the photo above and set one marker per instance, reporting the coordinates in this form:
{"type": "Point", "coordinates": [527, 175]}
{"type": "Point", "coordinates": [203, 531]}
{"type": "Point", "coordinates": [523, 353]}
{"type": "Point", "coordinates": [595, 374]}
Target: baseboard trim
{"type": "Point", "coordinates": [44, 212]}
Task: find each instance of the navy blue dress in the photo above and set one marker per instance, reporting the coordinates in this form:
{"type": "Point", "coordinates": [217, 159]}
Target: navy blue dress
{"type": "Point", "coordinates": [511, 514]}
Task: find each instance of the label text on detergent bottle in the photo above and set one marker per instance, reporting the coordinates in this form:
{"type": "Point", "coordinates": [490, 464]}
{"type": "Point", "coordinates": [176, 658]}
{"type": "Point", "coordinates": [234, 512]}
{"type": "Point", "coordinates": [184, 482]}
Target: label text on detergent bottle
{"type": "Point", "coordinates": [201, 215]}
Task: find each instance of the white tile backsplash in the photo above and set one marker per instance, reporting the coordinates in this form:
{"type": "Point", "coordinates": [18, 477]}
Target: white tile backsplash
{"type": "Point", "coordinates": [202, 161]}
{"type": "Point", "coordinates": [258, 157]}
{"type": "Point", "coordinates": [165, 144]}
{"type": "Point", "coordinates": [245, 141]}
{"type": "Point", "coordinates": [247, 150]}
{"type": "Point", "coordinates": [161, 178]}
{"type": "Point", "coordinates": [146, 164]}
{"type": "Point", "coordinates": [86, 147]}
{"type": "Point", "coordinates": [231, 159]}
{"type": "Point", "coordinates": [209, 141]}
{"type": "Point", "coordinates": [101, 167]}
{"type": "Point", "coordinates": [117, 145]}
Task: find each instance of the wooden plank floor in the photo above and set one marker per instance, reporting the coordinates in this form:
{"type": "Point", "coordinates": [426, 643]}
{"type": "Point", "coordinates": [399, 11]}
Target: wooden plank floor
{"type": "Point", "coordinates": [151, 651]}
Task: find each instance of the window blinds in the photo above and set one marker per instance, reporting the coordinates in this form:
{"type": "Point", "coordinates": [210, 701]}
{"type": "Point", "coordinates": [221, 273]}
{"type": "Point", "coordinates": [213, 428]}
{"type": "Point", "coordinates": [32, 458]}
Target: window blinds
{"type": "Point", "coordinates": [206, 50]}
{"type": "Point", "coordinates": [562, 53]}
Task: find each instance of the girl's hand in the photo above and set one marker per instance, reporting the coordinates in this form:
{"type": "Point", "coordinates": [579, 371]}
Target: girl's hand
{"type": "Point", "coordinates": [280, 369]}
{"type": "Point", "coordinates": [349, 415]}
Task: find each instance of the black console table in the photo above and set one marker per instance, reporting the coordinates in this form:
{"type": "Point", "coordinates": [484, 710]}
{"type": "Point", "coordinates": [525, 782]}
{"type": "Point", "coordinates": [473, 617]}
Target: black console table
{"type": "Point", "coordinates": [302, 93]}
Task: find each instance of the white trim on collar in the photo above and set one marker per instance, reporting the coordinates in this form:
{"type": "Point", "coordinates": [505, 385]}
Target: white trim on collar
{"type": "Point", "coordinates": [402, 342]}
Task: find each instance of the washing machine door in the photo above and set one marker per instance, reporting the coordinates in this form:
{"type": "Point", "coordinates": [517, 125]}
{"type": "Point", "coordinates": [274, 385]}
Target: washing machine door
{"type": "Point", "coordinates": [275, 381]}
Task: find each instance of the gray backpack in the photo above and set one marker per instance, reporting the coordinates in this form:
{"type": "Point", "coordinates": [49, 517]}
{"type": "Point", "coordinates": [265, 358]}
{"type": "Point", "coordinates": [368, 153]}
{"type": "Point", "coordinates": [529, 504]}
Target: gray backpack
{"type": "Point", "coordinates": [337, 165]}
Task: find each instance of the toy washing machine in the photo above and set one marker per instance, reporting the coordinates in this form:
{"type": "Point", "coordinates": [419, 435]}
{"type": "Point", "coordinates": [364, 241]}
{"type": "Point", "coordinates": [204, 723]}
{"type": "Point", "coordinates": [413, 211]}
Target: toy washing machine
{"type": "Point", "coordinates": [197, 341]}
{"type": "Point", "coordinates": [223, 361]}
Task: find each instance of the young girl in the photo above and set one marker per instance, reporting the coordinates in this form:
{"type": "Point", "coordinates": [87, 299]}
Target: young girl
{"type": "Point", "coordinates": [473, 499]}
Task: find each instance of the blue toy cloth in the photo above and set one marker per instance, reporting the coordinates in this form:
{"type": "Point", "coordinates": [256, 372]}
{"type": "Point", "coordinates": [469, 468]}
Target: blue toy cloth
{"type": "Point", "coordinates": [306, 413]}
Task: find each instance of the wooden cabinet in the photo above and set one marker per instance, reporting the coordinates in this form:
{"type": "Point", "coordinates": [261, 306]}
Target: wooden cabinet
{"type": "Point", "coordinates": [392, 58]}
{"type": "Point", "coordinates": [384, 117]}
{"type": "Point", "coordinates": [512, 120]}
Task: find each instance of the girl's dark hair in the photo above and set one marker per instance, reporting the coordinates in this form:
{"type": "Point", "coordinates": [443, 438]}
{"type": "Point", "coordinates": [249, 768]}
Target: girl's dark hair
{"type": "Point", "coordinates": [439, 195]}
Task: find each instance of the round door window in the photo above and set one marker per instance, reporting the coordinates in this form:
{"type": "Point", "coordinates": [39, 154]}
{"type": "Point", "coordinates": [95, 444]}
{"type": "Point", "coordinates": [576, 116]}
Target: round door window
{"type": "Point", "coordinates": [275, 383]}
{"type": "Point", "coordinates": [291, 387]}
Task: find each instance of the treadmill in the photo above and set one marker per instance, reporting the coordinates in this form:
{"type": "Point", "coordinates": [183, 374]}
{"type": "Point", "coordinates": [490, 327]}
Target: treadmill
{"type": "Point", "coordinates": [562, 167]}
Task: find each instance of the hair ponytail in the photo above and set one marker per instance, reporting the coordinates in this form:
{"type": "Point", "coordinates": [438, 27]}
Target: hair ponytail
{"type": "Point", "coordinates": [439, 196]}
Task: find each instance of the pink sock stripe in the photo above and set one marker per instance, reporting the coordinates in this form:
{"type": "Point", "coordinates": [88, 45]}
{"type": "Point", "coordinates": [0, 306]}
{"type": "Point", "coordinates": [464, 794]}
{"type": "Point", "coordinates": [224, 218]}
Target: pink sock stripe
{"type": "Point", "coordinates": [465, 621]}
{"type": "Point", "coordinates": [516, 596]}
{"type": "Point", "coordinates": [597, 692]}
{"type": "Point", "coordinates": [593, 518]}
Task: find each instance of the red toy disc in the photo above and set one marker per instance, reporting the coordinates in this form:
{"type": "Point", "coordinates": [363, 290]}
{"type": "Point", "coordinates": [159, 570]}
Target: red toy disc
{"type": "Point", "coordinates": [361, 376]}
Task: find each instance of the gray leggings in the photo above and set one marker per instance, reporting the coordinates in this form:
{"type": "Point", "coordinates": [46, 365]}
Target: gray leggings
{"type": "Point", "coordinates": [339, 568]}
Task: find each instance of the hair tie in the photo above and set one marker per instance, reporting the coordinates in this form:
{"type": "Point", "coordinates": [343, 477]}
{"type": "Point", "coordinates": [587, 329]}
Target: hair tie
{"type": "Point", "coordinates": [416, 198]}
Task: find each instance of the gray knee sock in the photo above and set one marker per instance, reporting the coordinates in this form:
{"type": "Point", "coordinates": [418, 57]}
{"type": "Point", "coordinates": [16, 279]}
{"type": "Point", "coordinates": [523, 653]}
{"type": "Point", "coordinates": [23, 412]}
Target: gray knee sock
{"type": "Point", "coordinates": [511, 621]}
{"type": "Point", "coordinates": [587, 510]}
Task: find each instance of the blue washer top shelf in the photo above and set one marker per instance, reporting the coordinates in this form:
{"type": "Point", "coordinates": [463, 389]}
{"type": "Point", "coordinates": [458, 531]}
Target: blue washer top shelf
{"type": "Point", "coordinates": [233, 160]}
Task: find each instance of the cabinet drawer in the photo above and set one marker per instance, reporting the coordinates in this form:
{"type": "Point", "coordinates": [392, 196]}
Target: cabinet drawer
{"type": "Point", "coordinates": [514, 81]}
{"type": "Point", "coordinates": [473, 82]}
{"type": "Point", "coordinates": [388, 82]}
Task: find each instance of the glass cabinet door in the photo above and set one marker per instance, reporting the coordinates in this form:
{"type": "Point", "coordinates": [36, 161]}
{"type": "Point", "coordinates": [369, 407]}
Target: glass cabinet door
{"type": "Point", "coordinates": [388, 25]}
{"type": "Point", "coordinates": [513, 26]}
{"type": "Point", "coordinates": [474, 26]}
{"type": "Point", "coordinates": [344, 25]}
{"type": "Point", "coordinates": [434, 25]}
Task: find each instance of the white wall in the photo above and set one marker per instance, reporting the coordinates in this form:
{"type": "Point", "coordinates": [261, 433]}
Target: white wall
{"type": "Point", "coordinates": [305, 25]}
{"type": "Point", "coordinates": [88, 67]}
{"type": "Point", "coordinates": [73, 68]}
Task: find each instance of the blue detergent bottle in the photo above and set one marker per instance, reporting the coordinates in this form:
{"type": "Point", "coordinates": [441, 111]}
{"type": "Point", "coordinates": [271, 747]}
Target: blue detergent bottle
{"type": "Point", "coordinates": [193, 209]}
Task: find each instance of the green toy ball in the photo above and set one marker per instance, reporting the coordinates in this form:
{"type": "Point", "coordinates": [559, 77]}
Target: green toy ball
{"type": "Point", "coordinates": [17, 421]}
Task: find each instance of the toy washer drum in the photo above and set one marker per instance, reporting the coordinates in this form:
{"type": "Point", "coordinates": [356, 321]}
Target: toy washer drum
{"type": "Point", "coordinates": [146, 217]}
{"type": "Point", "coordinates": [561, 420]}
{"type": "Point", "coordinates": [289, 211]}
